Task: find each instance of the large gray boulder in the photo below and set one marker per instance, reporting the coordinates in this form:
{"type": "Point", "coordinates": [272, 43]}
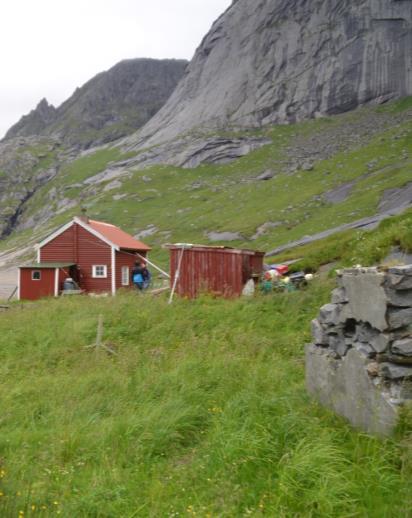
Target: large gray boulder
{"type": "Point", "coordinates": [276, 61]}
{"type": "Point", "coordinates": [346, 387]}
{"type": "Point", "coordinates": [360, 361]}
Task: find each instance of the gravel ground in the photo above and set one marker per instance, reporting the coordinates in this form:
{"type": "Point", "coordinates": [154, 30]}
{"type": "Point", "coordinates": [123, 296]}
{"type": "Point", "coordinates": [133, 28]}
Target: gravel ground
{"type": "Point", "coordinates": [8, 281]}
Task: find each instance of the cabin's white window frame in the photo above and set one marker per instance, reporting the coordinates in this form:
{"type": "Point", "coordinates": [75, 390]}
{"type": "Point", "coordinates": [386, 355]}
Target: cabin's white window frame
{"type": "Point", "coordinates": [125, 276]}
{"type": "Point", "coordinates": [33, 275]}
{"type": "Point", "coordinates": [99, 271]}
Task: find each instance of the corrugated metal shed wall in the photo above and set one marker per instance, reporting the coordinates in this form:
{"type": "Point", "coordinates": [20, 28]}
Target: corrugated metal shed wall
{"type": "Point", "coordinates": [216, 270]}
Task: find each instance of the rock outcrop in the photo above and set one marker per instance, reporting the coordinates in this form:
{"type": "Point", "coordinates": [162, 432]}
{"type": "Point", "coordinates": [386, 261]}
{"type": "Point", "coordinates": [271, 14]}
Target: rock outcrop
{"type": "Point", "coordinates": [360, 362]}
{"type": "Point", "coordinates": [191, 151]}
{"type": "Point", "coordinates": [109, 106]}
{"type": "Point", "coordinates": [35, 122]}
{"type": "Point", "coordinates": [26, 164]}
{"type": "Point", "coordinates": [278, 61]}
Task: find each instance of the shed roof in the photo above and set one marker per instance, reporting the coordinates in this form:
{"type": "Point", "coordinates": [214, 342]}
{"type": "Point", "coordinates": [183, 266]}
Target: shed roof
{"type": "Point", "coordinates": [117, 236]}
{"type": "Point", "coordinates": [213, 248]}
{"type": "Point", "coordinates": [40, 266]}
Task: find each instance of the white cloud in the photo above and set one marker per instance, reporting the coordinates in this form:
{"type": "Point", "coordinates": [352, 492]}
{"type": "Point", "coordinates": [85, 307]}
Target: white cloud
{"type": "Point", "coordinates": [49, 47]}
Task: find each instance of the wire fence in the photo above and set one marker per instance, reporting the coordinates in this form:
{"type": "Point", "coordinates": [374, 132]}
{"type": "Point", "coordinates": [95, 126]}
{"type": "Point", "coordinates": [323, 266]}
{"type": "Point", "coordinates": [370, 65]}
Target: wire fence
{"type": "Point", "coordinates": [6, 290]}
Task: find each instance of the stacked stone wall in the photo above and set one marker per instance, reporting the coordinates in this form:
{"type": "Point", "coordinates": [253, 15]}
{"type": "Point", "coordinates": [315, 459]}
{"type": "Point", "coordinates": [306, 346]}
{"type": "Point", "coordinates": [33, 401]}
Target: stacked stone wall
{"type": "Point", "coordinates": [360, 361]}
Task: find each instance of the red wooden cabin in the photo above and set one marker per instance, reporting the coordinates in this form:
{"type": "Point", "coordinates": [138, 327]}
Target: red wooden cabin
{"type": "Point", "coordinates": [98, 256]}
{"type": "Point", "coordinates": [216, 269]}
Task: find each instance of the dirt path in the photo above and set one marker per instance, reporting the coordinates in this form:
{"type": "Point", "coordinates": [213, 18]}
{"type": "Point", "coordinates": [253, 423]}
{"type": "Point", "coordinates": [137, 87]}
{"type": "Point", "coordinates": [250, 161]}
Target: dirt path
{"type": "Point", "coordinates": [8, 282]}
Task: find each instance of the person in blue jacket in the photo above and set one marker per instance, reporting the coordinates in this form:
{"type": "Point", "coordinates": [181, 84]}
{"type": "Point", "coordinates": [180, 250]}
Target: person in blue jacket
{"type": "Point", "coordinates": [141, 276]}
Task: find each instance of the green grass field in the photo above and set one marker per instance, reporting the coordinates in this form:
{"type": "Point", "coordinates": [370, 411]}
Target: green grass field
{"type": "Point", "coordinates": [202, 412]}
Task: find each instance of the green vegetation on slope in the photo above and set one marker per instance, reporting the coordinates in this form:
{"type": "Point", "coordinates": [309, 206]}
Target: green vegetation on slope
{"type": "Point", "coordinates": [203, 412]}
{"type": "Point", "coordinates": [351, 247]}
{"type": "Point", "coordinates": [186, 204]}
{"type": "Point", "coordinates": [178, 204]}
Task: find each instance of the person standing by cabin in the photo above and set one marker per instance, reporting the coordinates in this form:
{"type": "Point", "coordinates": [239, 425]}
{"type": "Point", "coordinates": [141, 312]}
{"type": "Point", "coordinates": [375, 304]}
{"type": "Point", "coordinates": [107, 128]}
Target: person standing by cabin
{"type": "Point", "coordinates": [141, 276]}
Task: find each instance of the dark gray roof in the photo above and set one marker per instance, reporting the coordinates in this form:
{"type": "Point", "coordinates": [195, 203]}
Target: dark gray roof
{"type": "Point", "coordinates": [47, 265]}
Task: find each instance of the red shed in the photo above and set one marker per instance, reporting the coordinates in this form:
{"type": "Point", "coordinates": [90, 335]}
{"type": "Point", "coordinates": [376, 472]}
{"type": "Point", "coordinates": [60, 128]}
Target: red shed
{"type": "Point", "coordinates": [98, 256]}
{"type": "Point", "coordinates": [217, 269]}
{"type": "Point", "coordinates": [43, 279]}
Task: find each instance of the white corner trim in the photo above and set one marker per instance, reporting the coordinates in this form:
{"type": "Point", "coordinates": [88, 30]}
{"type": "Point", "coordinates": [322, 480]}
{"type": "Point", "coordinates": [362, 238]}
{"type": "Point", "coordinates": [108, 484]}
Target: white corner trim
{"type": "Point", "coordinates": [113, 271]}
{"type": "Point", "coordinates": [38, 254]}
{"type": "Point", "coordinates": [18, 283]}
{"type": "Point", "coordinates": [56, 282]}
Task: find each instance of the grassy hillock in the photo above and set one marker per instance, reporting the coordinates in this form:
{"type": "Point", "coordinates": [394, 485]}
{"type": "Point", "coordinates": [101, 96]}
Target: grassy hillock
{"type": "Point", "coordinates": [202, 412]}
{"type": "Point", "coordinates": [352, 247]}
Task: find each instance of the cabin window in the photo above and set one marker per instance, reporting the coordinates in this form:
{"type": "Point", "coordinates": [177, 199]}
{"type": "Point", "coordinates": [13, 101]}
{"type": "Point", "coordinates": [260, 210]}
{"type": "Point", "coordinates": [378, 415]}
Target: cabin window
{"type": "Point", "coordinates": [99, 271]}
{"type": "Point", "coordinates": [125, 276]}
{"type": "Point", "coordinates": [36, 275]}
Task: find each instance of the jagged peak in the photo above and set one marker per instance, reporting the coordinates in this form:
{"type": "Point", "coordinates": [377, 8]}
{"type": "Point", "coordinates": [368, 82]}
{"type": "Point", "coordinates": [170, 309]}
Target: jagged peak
{"type": "Point", "coordinates": [44, 103]}
{"type": "Point", "coordinates": [109, 106]}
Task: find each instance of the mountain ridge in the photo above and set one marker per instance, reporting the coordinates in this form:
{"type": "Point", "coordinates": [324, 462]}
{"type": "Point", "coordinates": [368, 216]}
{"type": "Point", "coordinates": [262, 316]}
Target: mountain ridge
{"type": "Point", "coordinates": [111, 105]}
{"type": "Point", "coordinates": [292, 60]}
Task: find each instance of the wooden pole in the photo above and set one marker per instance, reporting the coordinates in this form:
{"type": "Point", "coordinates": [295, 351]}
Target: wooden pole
{"type": "Point", "coordinates": [99, 334]}
{"type": "Point", "coordinates": [177, 275]}
{"type": "Point", "coordinates": [99, 338]}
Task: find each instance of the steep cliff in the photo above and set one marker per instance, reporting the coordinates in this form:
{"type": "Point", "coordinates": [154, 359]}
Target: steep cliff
{"type": "Point", "coordinates": [35, 122]}
{"type": "Point", "coordinates": [277, 61]}
{"type": "Point", "coordinates": [111, 105]}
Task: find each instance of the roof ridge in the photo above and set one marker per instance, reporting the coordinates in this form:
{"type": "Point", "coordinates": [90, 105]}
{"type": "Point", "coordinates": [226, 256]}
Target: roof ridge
{"type": "Point", "coordinates": [104, 223]}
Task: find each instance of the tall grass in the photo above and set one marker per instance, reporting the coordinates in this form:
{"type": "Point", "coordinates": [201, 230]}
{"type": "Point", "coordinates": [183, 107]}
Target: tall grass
{"type": "Point", "coordinates": [202, 412]}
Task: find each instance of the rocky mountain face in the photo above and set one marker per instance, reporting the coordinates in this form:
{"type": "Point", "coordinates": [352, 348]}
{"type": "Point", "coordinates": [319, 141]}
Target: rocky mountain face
{"type": "Point", "coordinates": [35, 122]}
{"type": "Point", "coordinates": [26, 164]}
{"type": "Point", "coordinates": [111, 105]}
{"type": "Point", "coordinates": [279, 61]}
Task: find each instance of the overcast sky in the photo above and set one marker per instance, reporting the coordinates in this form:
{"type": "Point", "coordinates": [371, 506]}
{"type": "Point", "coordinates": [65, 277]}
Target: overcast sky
{"type": "Point", "coordinates": [49, 47]}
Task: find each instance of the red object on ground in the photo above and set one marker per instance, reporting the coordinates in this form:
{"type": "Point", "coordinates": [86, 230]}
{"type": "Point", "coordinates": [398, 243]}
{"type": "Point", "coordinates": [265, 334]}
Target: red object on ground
{"type": "Point", "coordinates": [218, 270]}
{"type": "Point", "coordinates": [97, 255]}
{"type": "Point", "coordinates": [282, 269]}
